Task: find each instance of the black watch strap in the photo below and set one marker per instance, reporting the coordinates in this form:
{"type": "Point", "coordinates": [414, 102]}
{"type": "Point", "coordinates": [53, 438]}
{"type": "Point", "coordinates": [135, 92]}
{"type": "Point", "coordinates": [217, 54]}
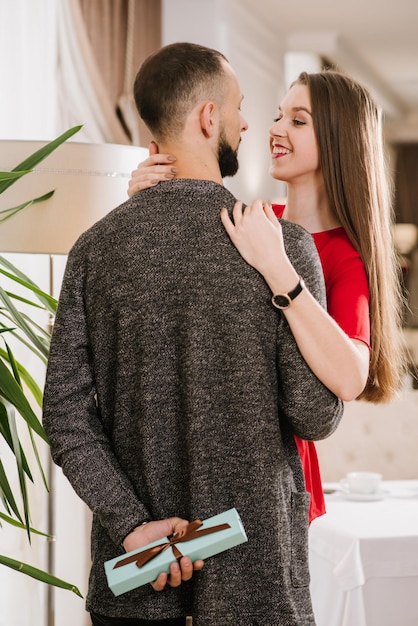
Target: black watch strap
{"type": "Point", "coordinates": [284, 300]}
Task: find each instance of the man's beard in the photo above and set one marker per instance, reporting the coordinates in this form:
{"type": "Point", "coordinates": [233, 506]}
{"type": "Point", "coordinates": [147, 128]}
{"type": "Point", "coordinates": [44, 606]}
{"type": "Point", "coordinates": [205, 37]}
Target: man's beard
{"type": "Point", "coordinates": [227, 157]}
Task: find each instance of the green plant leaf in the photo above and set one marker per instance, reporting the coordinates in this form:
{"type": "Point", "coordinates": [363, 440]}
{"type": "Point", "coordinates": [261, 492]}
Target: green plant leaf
{"type": "Point", "coordinates": [34, 572]}
{"type": "Point", "coordinates": [48, 301]}
{"type": "Point", "coordinates": [37, 457]}
{"type": "Point", "coordinates": [44, 334]}
{"type": "Point", "coordinates": [8, 213]}
{"type": "Point", "coordinates": [13, 393]}
{"type": "Point", "coordinates": [12, 175]}
{"type": "Point", "coordinates": [7, 493]}
{"type": "Point", "coordinates": [22, 323]}
{"type": "Point", "coordinates": [6, 329]}
{"type": "Point", "coordinates": [19, 464]}
{"type": "Point", "coordinates": [13, 522]}
{"type": "Point", "coordinates": [7, 436]}
{"type": "Point", "coordinates": [26, 377]}
{"type": "Point", "coordinates": [14, 332]}
{"type": "Point", "coordinates": [13, 365]}
{"type": "Point", "coordinates": [38, 156]}
{"type": "Point", "coordinates": [19, 298]}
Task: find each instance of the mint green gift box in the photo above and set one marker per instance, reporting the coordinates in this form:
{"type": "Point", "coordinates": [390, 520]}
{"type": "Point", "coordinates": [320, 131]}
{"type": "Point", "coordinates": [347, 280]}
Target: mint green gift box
{"type": "Point", "coordinates": [199, 540]}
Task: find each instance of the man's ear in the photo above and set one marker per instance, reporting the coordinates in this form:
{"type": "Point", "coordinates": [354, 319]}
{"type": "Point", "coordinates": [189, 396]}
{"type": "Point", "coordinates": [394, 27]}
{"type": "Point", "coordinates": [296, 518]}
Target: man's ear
{"type": "Point", "coordinates": [208, 119]}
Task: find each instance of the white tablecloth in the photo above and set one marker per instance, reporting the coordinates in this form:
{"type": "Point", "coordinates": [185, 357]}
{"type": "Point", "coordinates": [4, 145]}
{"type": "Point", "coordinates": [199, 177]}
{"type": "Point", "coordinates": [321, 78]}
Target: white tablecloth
{"type": "Point", "coordinates": [364, 559]}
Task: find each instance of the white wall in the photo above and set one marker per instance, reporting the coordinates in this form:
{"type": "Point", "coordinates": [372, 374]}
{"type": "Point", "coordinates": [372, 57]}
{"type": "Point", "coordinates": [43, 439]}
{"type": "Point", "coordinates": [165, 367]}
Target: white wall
{"type": "Point", "coordinates": [28, 76]}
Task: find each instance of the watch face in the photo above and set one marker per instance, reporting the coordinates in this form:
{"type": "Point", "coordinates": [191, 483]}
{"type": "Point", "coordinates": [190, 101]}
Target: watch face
{"type": "Point", "coordinates": [281, 301]}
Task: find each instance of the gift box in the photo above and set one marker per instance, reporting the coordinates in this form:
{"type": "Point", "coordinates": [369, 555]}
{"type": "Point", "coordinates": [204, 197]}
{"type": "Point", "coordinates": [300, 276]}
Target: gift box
{"type": "Point", "coordinates": [199, 540]}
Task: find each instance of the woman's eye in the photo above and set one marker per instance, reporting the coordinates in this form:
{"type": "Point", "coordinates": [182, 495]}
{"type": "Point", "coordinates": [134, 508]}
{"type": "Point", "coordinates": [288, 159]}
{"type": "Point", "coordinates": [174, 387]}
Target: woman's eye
{"type": "Point", "coordinates": [295, 122]}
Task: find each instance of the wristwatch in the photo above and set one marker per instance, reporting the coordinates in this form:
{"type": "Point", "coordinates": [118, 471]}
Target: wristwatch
{"type": "Point", "coordinates": [284, 300]}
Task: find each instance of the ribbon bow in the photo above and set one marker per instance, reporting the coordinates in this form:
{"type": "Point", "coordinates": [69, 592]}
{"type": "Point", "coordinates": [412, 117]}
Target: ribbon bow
{"type": "Point", "coordinates": [189, 532]}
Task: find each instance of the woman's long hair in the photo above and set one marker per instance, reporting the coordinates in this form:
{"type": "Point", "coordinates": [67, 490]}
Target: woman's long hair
{"type": "Point", "coordinates": [347, 125]}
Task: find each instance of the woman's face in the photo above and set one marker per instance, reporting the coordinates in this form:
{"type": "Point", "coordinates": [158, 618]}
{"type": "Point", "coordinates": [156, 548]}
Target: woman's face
{"type": "Point", "coordinates": [293, 145]}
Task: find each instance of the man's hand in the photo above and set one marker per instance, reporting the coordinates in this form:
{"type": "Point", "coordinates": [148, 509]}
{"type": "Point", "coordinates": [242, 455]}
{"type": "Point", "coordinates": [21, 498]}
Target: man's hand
{"type": "Point", "coordinates": [142, 535]}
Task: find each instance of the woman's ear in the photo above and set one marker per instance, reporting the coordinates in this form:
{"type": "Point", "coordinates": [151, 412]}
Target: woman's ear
{"type": "Point", "coordinates": [208, 119]}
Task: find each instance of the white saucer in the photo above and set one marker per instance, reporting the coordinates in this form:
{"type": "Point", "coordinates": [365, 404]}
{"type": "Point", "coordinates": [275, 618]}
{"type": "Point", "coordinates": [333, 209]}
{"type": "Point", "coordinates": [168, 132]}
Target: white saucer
{"type": "Point", "coordinates": [363, 497]}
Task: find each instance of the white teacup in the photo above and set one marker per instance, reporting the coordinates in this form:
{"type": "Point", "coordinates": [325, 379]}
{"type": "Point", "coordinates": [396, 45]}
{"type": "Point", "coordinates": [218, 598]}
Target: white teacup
{"type": "Point", "coordinates": [362, 482]}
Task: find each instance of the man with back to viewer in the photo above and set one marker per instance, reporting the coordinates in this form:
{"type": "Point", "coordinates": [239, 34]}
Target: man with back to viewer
{"type": "Point", "coordinates": [174, 387]}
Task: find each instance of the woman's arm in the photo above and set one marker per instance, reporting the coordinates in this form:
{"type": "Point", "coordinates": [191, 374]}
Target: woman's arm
{"type": "Point", "coordinates": [342, 364]}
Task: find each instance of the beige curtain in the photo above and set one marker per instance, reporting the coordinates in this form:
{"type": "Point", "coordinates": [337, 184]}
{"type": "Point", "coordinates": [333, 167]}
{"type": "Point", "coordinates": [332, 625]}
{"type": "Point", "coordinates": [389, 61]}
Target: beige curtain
{"type": "Point", "coordinates": [116, 36]}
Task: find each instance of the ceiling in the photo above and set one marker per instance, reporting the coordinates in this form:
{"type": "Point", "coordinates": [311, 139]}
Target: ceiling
{"type": "Point", "coordinates": [376, 41]}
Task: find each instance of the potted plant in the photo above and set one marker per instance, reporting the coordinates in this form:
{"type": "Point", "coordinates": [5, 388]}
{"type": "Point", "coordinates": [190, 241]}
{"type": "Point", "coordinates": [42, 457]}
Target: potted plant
{"type": "Point", "coordinates": [19, 391]}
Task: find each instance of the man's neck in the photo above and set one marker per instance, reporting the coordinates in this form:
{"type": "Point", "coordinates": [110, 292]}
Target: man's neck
{"type": "Point", "coordinates": [193, 164]}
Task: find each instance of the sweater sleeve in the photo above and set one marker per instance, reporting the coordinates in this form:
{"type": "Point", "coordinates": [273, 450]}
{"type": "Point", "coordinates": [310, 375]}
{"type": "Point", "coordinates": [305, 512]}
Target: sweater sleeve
{"type": "Point", "coordinates": [71, 417]}
{"type": "Point", "coordinates": [311, 409]}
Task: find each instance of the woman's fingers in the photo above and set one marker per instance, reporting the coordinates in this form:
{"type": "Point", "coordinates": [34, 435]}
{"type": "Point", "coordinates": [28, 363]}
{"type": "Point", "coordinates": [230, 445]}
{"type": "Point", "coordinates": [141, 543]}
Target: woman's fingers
{"type": "Point", "coordinates": [237, 212]}
{"type": "Point", "coordinates": [154, 169]}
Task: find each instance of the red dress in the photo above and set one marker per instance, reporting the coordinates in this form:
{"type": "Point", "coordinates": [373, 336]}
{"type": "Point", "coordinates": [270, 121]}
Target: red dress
{"type": "Point", "coordinates": [346, 284]}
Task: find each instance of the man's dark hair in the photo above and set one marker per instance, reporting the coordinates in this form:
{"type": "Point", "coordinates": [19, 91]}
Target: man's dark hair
{"type": "Point", "coordinates": [172, 80]}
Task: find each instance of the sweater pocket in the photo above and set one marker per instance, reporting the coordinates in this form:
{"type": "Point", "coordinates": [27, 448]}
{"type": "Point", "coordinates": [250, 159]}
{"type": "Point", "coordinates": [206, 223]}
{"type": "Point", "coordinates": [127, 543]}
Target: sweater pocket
{"type": "Point", "coordinates": [299, 535]}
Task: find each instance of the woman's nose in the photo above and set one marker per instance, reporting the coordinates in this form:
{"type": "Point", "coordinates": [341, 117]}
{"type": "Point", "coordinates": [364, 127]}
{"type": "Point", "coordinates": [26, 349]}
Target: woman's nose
{"type": "Point", "coordinates": [277, 129]}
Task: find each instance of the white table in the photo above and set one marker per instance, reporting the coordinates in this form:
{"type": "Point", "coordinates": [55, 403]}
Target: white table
{"type": "Point", "coordinates": [364, 559]}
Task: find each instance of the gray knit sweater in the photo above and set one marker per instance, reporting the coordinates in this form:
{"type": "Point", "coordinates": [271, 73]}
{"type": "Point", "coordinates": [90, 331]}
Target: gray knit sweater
{"type": "Point", "coordinates": [174, 387]}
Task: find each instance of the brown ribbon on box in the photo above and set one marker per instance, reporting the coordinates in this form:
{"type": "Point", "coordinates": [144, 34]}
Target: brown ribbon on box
{"type": "Point", "coordinates": [191, 531]}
